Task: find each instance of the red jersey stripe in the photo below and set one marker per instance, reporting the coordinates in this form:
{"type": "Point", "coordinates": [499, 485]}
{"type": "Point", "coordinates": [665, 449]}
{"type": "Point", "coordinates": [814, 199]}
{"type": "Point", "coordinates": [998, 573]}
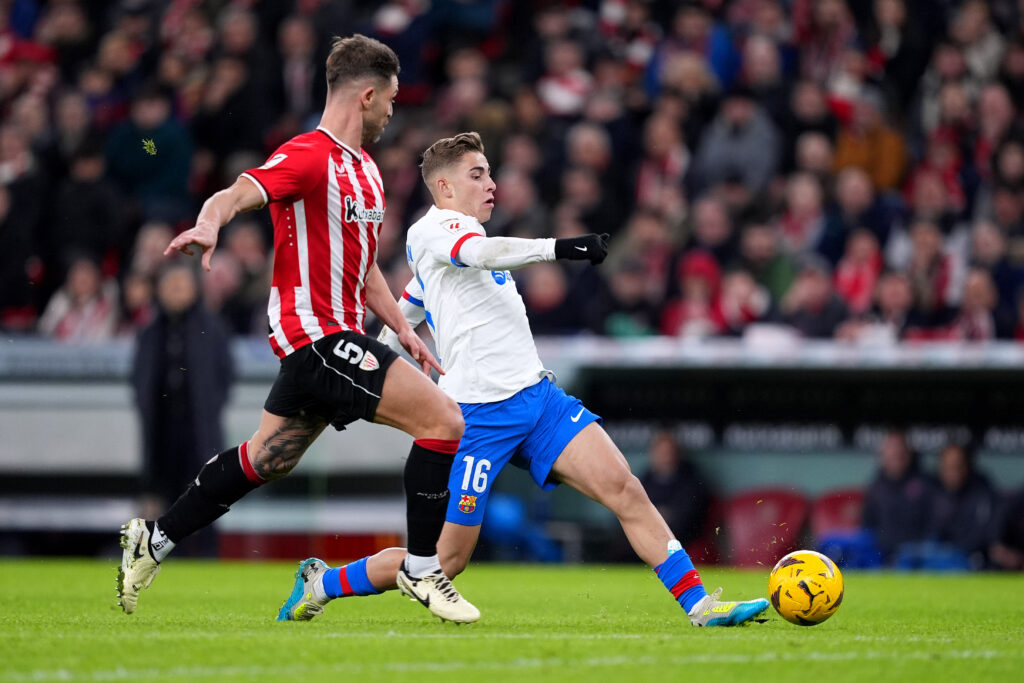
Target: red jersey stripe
{"type": "Point", "coordinates": [459, 243]}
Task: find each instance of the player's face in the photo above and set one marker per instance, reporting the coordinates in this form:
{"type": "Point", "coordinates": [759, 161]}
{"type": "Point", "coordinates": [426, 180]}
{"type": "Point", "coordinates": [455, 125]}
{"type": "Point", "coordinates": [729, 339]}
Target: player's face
{"type": "Point", "coordinates": [376, 117]}
{"type": "Point", "coordinates": [473, 186]}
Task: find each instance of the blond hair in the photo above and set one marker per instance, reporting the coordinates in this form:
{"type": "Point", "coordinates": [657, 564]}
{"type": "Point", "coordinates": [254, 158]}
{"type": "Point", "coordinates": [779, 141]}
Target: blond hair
{"type": "Point", "coordinates": [448, 151]}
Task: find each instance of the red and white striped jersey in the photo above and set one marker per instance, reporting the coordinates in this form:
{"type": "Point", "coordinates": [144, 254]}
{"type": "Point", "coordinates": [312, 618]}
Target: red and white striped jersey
{"type": "Point", "coordinates": [327, 204]}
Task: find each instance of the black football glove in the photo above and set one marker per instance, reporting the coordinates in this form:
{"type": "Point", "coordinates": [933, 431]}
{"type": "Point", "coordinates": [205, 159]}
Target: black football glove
{"type": "Point", "coordinates": [592, 247]}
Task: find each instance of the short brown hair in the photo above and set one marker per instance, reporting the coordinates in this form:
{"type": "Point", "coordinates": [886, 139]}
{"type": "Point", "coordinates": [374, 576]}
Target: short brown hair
{"type": "Point", "coordinates": [447, 151]}
{"type": "Point", "coordinates": [358, 56]}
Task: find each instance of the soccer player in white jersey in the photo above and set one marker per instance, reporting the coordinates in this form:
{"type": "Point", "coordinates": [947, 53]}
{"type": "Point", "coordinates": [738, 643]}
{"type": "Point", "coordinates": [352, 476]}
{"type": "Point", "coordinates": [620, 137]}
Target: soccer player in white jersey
{"type": "Point", "coordinates": [326, 201]}
{"type": "Point", "coordinates": [512, 408]}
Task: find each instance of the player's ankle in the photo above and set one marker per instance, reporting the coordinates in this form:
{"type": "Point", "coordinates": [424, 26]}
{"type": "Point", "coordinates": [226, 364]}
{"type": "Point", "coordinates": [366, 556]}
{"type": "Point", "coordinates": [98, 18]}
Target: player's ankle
{"type": "Point", "coordinates": [418, 566]}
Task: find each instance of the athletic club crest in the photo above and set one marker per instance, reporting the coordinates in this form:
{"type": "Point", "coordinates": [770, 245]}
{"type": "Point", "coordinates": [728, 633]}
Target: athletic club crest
{"type": "Point", "coordinates": [370, 362]}
{"type": "Point", "coordinates": [467, 504]}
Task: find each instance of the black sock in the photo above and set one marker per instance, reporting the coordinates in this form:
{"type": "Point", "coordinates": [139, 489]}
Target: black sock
{"type": "Point", "coordinates": [226, 478]}
{"type": "Point", "coordinates": [426, 492]}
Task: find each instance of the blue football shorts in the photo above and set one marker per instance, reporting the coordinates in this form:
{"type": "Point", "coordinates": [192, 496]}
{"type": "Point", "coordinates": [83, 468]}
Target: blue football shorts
{"type": "Point", "coordinates": [530, 429]}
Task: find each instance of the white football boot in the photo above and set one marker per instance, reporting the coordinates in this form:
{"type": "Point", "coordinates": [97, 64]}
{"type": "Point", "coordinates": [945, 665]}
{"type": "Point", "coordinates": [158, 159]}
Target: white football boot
{"type": "Point", "coordinates": [436, 593]}
{"type": "Point", "coordinates": [138, 566]}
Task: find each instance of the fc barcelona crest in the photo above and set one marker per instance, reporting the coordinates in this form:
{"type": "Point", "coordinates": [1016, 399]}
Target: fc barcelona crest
{"type": "Point", "coordinates": [467, 504]}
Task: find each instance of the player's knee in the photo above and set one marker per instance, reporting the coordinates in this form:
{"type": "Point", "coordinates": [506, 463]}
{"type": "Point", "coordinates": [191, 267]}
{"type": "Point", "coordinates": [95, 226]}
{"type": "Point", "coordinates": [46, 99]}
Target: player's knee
{"type": "Point", "coordinates": [449, 423]}
{"type": "Point", "coordinates": [624, 489]}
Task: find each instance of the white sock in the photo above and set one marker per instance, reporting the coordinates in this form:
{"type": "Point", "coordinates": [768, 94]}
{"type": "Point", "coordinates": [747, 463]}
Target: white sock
{"type": "Point", "coordinates": [418, 566]}
{"type": "Point", "coordinates": [674, 546]}
{"type": "Point", "coordinates": [159, 544]}
{"type": "Point", "coordinates": [317, 588]}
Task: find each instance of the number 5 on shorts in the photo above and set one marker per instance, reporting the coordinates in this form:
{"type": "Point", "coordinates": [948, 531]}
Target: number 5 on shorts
{"type": "Point", "coordinates": [478, 474]}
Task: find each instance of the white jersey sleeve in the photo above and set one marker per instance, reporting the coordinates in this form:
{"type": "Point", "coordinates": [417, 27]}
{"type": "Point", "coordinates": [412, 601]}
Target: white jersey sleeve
{"type": "Point", "coordinates": [472, 307]}
{"type": "Point", "coordinates": [499, 253]}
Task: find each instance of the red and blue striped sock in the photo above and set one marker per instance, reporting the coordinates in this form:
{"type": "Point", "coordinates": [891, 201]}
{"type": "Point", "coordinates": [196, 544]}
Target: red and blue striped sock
{"type": "Point", "coordinates": [344, 582]}
{"type": "Point", "coordinates": [681, 579]}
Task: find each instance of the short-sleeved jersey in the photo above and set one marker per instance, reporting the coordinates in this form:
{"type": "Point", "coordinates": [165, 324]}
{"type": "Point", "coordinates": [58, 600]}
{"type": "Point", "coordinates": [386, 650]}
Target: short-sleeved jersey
{"type": "Point", "coordinates": [476, 316]}
{"type": "Point", "coordinates": [327, 204]}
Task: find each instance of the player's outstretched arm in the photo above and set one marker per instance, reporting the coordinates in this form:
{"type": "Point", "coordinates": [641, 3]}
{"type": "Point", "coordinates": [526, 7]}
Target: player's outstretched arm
{"type": "Point", "coordinates": [500, 253]}
{"type": "Point", "coordinates": [384, 306]}
{"type": "Point", "coordinates": [217, 211]}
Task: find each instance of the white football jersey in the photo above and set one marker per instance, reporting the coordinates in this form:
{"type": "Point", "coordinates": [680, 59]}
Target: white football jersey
{"type": "Point", "coordinates": [476, 316]}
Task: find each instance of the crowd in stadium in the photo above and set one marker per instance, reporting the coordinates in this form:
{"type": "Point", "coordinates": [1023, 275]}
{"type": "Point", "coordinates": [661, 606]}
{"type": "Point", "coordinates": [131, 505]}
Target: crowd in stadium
{"type": "Point", "coordinates": [848, 169]}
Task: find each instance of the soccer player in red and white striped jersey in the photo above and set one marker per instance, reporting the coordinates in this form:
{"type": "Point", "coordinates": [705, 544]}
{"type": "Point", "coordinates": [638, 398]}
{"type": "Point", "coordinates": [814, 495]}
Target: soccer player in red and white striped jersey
{"type": "Point", "coordinates": [327, 204]}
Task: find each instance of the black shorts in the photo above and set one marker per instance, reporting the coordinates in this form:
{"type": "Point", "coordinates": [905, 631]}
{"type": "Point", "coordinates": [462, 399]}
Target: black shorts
{"type": "Point", "coordinates": [339, 378]}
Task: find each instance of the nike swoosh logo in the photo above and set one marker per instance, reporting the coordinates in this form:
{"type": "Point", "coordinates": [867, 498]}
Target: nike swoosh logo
{"type": "Point", "coordinates": [578, 415]}
{"type": "Point", "coordinates": [582, 248]}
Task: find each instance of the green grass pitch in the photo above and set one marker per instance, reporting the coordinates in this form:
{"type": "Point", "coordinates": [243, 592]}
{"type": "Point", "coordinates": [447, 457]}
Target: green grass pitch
{"type": "Point", "coordinates": [208, 621]}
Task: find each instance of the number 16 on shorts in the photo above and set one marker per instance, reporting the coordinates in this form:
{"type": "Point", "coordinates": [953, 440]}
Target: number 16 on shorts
{"type": "Point", "coordinates": [471, 495]}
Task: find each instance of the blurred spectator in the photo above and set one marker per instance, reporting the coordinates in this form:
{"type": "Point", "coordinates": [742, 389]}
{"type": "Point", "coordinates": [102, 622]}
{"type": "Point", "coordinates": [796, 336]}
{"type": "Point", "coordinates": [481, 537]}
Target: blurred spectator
{"type": "Point", "coordinates": [693, 29]}
{"type": "Point", "coordinates": [689, 94]}
{"type": "Point", "coordinates": [664, 163]}
{"type": "Point", "coordinates": [88, 211]}
{"type": "Point", "coordinates": [692, 313]}
{"type": "Point", "coordinates": [545, 288]}
{"type": "Point", "coordinates": [808, 112]}
{"type": "Point", "coordinates": [977, 38]}
{"type": "Point", "coordinates": [900, 42]}
{"type": "Point", "coordinates": [741, 142]}
{"type": "Point", "coordinates": [137, 305]}
{"type": "Point", "coordinates": [989, 251]}
{"type": "Point", "coordinates": [156, 179]}
{"type": "Point", "coordinates": [148, 251]}
{"type": "Point", "coordinates": [1011, 71]}
{"type": "Point", "coordinates": [71, 130]}
{"type": "Point", "coordinates": [244, 312]}
{"type": "Point", "coordinates": [1007, 550]}
{"type": "Point", "coordinates": [811, 305]}
{"type": "Point", "coordinates": [181, 375]}
{"type": "Point", "coordinates": [898, 502]}
{"type": "Point", "coordinates": [947, 67]}
{"type": "Point", "coordinates": [646, 240]}
{"type": "Point", "coordinates": [762, 73]}
{"type": "Point", "coordinates": [932, 277]}
{"type": "Point", "coordinates": [712, 229]}
{"type": "Point", "coordinates": [85, 308]}
{"type": "Point", "coordinates": [18, 309]}
{"type": "Point", "coordinates": [824, 28]}
{"type": "Point", "coordinates": [803, 225]}
{"type": "Point", "coordinates": [869, 142]}
{"type": "Point", "coordinates": [964, 506]}
{"type": "Point", "coordinates": [676, 487]}
{"type": "Point", "coordinates": [891, 313]}
{"type": "Point", "coordinates": [977, 320]}
{"type": "Point", "coordinates": [858, 271]}
{"type": "Point", "coordinates": [298, 68]}
{"type": "Point", "coordinates": [518, 211]}
{"type": "Point", "coordinates": [762, 257]}
{"type": "Point", "coordinates": [857, 206]}
{"type": "Point", "coordinates": [625, 309]}
{"type": "Point", "coordinates": [814, 154]}
{"type": "Point", "coordinates": [564, 87]}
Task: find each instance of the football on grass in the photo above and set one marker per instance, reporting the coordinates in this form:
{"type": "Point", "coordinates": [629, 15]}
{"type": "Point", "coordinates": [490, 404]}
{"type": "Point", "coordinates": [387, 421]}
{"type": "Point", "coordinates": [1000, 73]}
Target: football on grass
{"type": "Point", "coordinates": [805, 587]}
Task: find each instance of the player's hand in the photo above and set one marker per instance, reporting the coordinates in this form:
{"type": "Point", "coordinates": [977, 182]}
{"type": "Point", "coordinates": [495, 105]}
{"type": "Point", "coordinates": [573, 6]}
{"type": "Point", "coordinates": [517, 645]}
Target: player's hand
{"type": "Point", "coordinates": [592, 247]}
{"type": "Point", "coordinates": [411, 342]}
{"type": "Point", "coordinates": [203, 235]}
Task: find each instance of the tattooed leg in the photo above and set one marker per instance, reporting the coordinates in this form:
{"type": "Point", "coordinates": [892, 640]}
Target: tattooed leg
{"type": "Point", "coordinates": [275, 449]}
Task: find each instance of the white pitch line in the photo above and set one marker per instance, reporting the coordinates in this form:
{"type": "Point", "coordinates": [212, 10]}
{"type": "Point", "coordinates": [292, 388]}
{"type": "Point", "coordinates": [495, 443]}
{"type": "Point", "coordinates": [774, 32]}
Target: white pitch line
{"type": "Point", "coordinates": [477, 635]}
{"type": "Point", "coordinates": [552, 663]}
